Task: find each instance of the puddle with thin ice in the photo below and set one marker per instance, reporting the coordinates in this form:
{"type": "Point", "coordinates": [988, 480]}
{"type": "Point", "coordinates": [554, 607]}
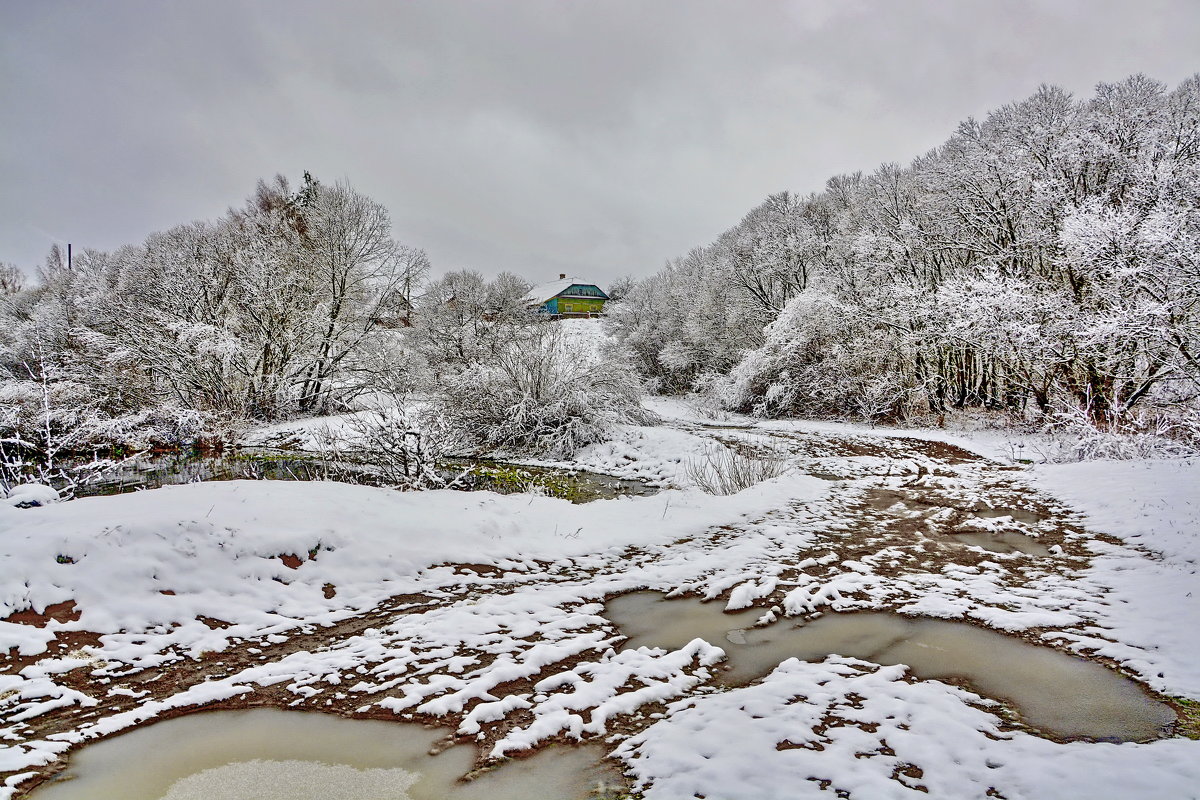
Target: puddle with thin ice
{"type": "Point", "coordinates": [1053, 692]}
{"type": "Point", "coordinates": [266, 754]}
{"type": "Point", "coordinates": [1004, 542]}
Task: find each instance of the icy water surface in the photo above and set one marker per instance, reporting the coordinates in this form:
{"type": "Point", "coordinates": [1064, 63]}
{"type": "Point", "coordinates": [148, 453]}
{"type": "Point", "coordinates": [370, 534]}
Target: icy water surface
{"type": "Point", "coordinates": [1018, 514]}
{"type": "Point", "coordinates": [1004, 542]}
{"type": "Point", "coordinates": [267, 754]}
{"type": "Point", "coordinates": [154, 470]}
{"type": "Point", "coordinates": [998, 540]}
{"type": "Point", "coordinates": [1053, 692]}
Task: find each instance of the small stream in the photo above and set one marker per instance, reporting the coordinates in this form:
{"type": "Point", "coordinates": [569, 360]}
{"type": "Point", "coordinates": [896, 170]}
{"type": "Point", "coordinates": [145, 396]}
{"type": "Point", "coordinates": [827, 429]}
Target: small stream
{"type": "Point", "coordinates": [153, 470]}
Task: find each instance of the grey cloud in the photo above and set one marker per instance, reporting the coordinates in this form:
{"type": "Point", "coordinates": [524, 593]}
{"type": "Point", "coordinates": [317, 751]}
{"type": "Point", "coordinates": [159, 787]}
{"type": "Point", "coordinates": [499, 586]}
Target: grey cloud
{"type": "Point", "coordinates": [599, 138]}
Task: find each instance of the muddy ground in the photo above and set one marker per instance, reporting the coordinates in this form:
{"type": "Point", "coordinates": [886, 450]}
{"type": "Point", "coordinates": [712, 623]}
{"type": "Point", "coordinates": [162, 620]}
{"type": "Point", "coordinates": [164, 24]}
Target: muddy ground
{"type": "Point", "coordinates": [902, 505]}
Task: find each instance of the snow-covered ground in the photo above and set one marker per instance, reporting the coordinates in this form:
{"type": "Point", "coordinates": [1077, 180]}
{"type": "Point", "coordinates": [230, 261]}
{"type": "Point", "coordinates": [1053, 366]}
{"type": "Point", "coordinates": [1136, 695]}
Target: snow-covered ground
{"type": "Point", "coordinates": [1150, 581]}
{"type": "Point", "coordinates": [1153, 589]}
{"type": "Point", "coordinates": [217, 548]}
{"type": "Point", "coordinates": [994, 443]}
{"type": "Point", "coordinates": [1146, 621]}
{"type": "Point", "coordinates": [487, 613]}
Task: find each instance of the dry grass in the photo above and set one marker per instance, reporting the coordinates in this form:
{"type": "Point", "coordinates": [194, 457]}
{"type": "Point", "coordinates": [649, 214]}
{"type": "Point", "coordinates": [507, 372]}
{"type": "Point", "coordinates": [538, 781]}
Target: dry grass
{"type": "Point", "coordinates": [1189, 717]}
{"type": "Point", "coordinates": [723, 471]}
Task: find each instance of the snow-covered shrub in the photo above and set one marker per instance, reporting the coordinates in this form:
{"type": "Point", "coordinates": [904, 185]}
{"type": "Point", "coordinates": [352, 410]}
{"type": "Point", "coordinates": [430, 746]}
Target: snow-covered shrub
{"type": "Point", "coordinates": [49, 410]}
{"type": "Point", "coordinates": [1073, 435]}
{"type": "Point", "coordinates": [707, 402]}
{"type": "Point", "coordinates": [64, 417]}
{"type": "Point", "coordinates": [57, 431]}
{"type": "Point", "coordinates": [403, 449]}
{"type": "Point", "coordinates": [42, 424]}
{"type": "Point", "coordinates": [387, 367]}
{"type": "Point", "coordinates": [163, 427]}
{"type": "Point", "coordinates": [690, 319]}
{"type": "Point", "coordinates": [542, 394]}
{"type": "Point", "coordinates": [725, 470]}
{"type": "Point", "coordinates": [820, 359]}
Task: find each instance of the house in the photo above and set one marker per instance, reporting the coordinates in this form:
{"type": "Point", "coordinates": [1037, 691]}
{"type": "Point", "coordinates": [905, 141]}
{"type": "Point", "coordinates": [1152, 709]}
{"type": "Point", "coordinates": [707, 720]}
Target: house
{"type": "Point", "coordinates": [394, 311]}
{"type": "Point", "coordinates": [567, 297]}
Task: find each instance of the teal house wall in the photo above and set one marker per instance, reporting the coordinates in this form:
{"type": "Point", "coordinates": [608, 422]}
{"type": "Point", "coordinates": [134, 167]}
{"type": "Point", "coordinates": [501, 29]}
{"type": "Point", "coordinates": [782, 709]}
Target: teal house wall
{"type": "Point", "coordinates": [567, 297]}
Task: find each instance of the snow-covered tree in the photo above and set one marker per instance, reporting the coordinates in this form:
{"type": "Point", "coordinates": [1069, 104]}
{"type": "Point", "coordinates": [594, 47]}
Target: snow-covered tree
{"type": "Point", "coordinates": [1043, 257]}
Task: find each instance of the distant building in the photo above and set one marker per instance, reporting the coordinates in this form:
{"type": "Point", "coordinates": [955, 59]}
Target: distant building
{"type": "Point", "coordinates": [567, 297]}
{"type": "Point", "coordinates": [396, 311]}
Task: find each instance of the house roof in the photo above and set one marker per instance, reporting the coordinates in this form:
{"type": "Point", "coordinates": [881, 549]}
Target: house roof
{"type": "Point", "coordinates": [548, 291]}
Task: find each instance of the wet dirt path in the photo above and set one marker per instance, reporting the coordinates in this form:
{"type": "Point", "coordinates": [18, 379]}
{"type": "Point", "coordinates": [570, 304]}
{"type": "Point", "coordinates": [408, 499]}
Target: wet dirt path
{"type": "Point", "coordinates": [910, 526]}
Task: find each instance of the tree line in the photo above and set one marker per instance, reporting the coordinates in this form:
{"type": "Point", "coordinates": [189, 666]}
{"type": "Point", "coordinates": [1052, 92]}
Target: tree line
{"type": "Point", "coordinates": [264, 313]}
{"type": "Point", "coordinates": [298, 303]}
{"type": "Point", "coordinates": [1043, 261]}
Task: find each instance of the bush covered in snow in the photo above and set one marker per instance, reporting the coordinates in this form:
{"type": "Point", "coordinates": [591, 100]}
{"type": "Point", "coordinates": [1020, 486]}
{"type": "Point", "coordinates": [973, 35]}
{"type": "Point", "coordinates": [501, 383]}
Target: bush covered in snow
{"type": "Point", "coordinates": [58, 431]}
{"type": "Point", "coordinates": [543, 393]}
{"type": "Point", "coordinates": [1071, 435]}
{"type": "Point", "coordinates": [820, 358]}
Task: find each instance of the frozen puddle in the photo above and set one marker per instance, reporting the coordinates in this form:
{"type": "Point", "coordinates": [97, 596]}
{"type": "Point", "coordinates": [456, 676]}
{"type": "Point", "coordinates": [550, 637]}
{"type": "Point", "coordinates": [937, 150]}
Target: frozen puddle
{"type": "Point", "coordinates": [266, 754]}
{"type": "Point", "coordinates": [1053, 692]}
{"type": "Point", "coordinates": [1018, 514]}
{"type": "Point", "coordinates": [991, 538]}
{"type": "Point", "coordinates": [1004, 542]}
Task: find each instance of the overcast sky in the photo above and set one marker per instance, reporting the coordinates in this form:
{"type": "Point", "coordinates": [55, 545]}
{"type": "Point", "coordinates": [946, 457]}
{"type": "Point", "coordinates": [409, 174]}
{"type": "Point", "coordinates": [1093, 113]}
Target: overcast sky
{"type": "Point", "coordinates": [593, 138]}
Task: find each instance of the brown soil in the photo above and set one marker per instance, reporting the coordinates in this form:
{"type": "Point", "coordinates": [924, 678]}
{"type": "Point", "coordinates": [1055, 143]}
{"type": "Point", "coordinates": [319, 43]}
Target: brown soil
{"type": "Point", "coordinates": [914, 543]}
